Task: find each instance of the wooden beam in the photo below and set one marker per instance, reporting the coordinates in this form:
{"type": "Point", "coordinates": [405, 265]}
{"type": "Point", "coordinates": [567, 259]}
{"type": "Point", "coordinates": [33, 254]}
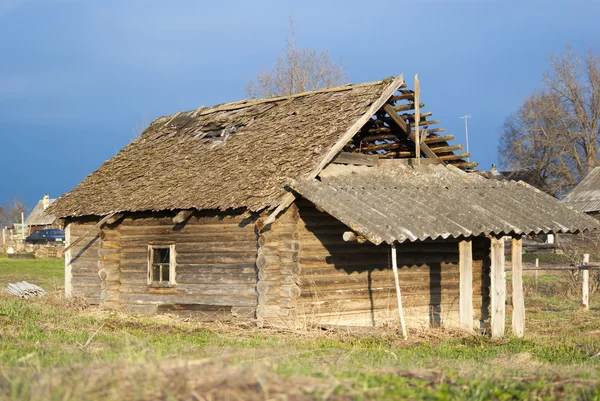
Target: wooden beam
{"type": "Point", "coordinates": [518, 316]}
{"type": "Point", "coordinates": [356, 158]}
{"type": "Point", "coordinates": [426, 149]}
{"type": "Point", "coordinates": [438, 139]}
{"type": "Point", "coordinates": [447, 149]}
{"type": "Point", "coordinates": [455, 157]}
{"type": "Point", "coordinates": [182, 216]}
{"type": "Point", "coordinates": [68, 269]}
{"type": "Point", "coordinates": [411, 116]}
{"type": "Point", "coordinates": [398, 293]}
{"type": "Point", "coordinates": [114, 218]}
{"type": "Point", "coordinates": [498, 290]}
{"type": "Point", "coordinates": [465, 261]}
{"type": "Point", "coordinates": [97, 226]}
{"type": "Point", "coordinates": [404, 96]}
{"type": "Point", "coordinates": [585, 289]}
{"type": "Point", "coordinates": [410, 106]}
{"type": "Point", "coordinates": [350, 236]}
{"type": "Point", "coordinates": [465, 165]}
{"type": "Point", "coordinates": [418, 106]}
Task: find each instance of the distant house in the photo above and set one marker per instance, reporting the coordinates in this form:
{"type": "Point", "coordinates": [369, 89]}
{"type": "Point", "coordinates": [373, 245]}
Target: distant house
{"type": "Point", "coordinates": [298, 209]}
{"type": "Point", "coordinates": [585, 197]}
{"type": "Point", "coordinates": [38, 218]}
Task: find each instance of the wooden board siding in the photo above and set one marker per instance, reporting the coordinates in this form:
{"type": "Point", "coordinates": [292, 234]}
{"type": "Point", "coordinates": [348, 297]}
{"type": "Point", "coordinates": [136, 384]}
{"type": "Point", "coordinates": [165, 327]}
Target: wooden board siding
{"type": "Point", "coordinates": [352, 284]}
{"type": "Point", "coordinates": [215, 266]}
{"type": "Point", "coordinates": [81, 261]}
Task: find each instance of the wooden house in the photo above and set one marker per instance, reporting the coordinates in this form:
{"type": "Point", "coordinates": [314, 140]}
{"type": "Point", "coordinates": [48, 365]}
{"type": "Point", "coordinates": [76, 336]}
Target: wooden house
{"type": "Point", "coordinates": [298, 210]}
{"type": "Point", "coordinates": [38, 218]}
{"type": "Point", "coordinates": [585, 197]}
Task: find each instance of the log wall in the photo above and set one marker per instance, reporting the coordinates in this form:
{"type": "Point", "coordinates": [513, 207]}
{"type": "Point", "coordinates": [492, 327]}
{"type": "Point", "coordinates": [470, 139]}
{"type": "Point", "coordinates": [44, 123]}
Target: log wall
{"type": "Point", "coordinates": [81, 261]}
{"type": "Point", "coordinates": [348, 283]}
{"type": "Point", "coordinates": [215, 265]}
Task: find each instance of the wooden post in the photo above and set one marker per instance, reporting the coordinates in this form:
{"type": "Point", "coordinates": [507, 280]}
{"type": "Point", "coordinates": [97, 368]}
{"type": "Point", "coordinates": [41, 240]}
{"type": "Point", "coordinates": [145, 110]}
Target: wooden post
{"type": "Point", "coordinates": [4, 236]}
{"type": "Point", "coordinates": [417, 120]}
{"type": "Point", "coordinates": [498, 290]}
{"type": "Point", "coordinates": [586, 284]}
{"type": "Point", "coordinates": [518, 317]}
{"type": "Point", "coordinates": [398, 293]}
{"type": "Point", "coordinates": [465, 261]}
{"type": "Point", "coordinates": [68, 275]}
{"type": "Point", "coordinates": [537, 265]}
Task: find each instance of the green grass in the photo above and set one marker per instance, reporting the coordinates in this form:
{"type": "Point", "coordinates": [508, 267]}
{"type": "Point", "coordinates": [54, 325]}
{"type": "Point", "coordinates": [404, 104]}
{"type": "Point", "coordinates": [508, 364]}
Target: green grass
{"type": "Point", "coordinates": [51, 350]}
{"type": "Point", "coordinates": [47, 273]}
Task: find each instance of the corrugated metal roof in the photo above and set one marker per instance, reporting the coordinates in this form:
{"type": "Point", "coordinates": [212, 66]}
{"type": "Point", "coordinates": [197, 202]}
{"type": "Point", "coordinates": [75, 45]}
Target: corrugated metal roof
{"type": "Point", "coordinates": [585, 197]}
{"type": "Point", "coordinates": [405, 203]}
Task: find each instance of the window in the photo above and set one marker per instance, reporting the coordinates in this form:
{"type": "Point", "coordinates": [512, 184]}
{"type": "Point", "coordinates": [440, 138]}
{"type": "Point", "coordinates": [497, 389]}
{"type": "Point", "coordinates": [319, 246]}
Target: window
{"type": "Point", "coordinates": [161, 265]}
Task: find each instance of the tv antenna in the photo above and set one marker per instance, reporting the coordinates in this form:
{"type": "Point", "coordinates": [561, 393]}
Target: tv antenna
{"type": "Point", "coordinates": [466, 118]}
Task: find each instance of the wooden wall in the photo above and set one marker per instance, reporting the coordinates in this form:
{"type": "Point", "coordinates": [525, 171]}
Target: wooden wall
{"type": "Point", "coordinates": [81, 261]}
{"type": "Point", "coordinates": [215, 274]}
{"type": "Point", "coordinates": [352, 284]}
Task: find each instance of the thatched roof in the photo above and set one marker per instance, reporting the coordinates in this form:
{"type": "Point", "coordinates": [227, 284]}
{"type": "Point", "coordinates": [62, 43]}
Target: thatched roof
{"type": "Point", "coordinates": [39, 215]}
{"type": "Point", "coordinates": [585, 197]}
{"type": "Point", "coordinates": [401, 203]}
{"type": "Point", "coordinates": [237, 155]}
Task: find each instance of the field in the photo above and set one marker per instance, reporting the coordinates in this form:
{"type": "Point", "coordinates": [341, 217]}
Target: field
{"type": "Point", "coordinates": [52, 349]}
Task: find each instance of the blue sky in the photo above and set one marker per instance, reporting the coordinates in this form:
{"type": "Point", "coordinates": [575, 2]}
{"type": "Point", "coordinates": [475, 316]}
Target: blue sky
{"type": "Point", "coordinates": [79, 79]}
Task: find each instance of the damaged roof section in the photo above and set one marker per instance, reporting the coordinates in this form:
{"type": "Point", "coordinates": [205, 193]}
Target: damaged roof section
{"type": "Point", "coordinates": [236, 155]}
{"type": "Point", "coordinates": [399, 202]}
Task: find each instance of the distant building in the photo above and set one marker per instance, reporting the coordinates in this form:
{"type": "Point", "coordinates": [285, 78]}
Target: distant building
{"type": "Point", "coordinates": [585, 197]}
{"type": "Point", "coordinates": [527, 176]}
{"type": "Point", "coordinates": [38, 219]}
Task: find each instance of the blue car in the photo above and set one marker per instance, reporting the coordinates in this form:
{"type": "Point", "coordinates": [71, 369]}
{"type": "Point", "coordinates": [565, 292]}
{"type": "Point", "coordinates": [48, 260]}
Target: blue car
{"type": "Point", "coordinates": [46, 236]}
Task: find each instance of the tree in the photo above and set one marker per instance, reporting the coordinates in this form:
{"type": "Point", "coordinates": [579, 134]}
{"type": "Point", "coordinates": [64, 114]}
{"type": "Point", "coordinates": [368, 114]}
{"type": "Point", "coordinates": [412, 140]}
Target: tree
{"type": "Point", "coordinates": [556, 132]}
{"type": "Point", "coordinates": [297, 70]}
{"type": "Point", "coordinates": [11, 212]}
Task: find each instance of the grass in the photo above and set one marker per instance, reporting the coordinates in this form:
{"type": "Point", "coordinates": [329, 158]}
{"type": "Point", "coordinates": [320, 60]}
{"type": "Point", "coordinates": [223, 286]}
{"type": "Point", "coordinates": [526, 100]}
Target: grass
{"type": "Point", "coordinates": [47, 273]}
{"type": "Point", "coordinates": [52, 349]}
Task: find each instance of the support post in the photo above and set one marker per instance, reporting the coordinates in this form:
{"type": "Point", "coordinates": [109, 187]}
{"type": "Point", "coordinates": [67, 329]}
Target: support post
{"type": "Point", "coordinates": [398, 293]}
{"type": "Point", "coordinates": [465, 261]}
{"type": "Point", "coordinates": [518, 317]}
{"type": "Point", "coordinates": [498, 290]}
{"type": "Point", "coordinates": [417, 120]}
{"type": "Point", "coordinates": [4, 236]}
{"type": "Point", "coordinates": [68, 275]}
{"type": "Point", "coordinates": [585, 290]}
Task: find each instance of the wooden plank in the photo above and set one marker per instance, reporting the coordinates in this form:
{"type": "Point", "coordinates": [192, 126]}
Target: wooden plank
{"type": "Point", "coordinates": [585, 291]}
{"type": "Point", "coordinates": [518, 300]}
{"type": "Point", "coordinates": [356, 158]}
{"type": "Point", "coordinates": [398, 293]}
{"type": "Point", "coordinates": [422, 146]}
{"type": "Point", "coordinates": [455, 157]}
{"type": "Point", "coordinates": [68, 275]}
{"type": "Point", "coordinates": [466, 284]}
{"type": "Point", "coordinates": [498, 290]}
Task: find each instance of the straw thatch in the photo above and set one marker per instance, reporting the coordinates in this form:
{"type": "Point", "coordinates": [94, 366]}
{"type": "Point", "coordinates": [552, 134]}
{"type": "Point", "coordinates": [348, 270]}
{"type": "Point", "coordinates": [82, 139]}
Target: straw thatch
{"type": "Point", "coordinates": [238, 155]}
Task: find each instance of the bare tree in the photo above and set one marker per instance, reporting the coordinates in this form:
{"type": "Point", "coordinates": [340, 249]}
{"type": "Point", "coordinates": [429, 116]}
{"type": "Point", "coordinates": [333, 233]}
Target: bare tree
{"type": "Point", "coordinates": [555, 133]}
{"type": "Point", "coordinates": [11, 212]}
{"type": "Point", "coordinates": [297, 70]}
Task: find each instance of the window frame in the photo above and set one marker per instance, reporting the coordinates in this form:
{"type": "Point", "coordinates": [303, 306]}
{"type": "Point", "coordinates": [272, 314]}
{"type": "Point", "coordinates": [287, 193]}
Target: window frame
{"type": "Point", "coordinates": [172, 266]}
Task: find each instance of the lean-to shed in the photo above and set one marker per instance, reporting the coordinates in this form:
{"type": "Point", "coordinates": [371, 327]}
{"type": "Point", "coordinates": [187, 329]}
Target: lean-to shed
{"type": "Point", "coordinates": [585, 197]}
{"type": "Point", "coordinates": [289, 210]}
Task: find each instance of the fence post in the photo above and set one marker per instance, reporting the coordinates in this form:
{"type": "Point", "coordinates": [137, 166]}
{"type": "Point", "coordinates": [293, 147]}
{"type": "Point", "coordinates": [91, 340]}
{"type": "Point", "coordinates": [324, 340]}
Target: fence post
{"type": "Point", "coordinates": [586, 283]}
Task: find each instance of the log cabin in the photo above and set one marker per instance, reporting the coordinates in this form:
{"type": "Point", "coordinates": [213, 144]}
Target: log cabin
{"type": "Point", "coordinates": [340, 206]}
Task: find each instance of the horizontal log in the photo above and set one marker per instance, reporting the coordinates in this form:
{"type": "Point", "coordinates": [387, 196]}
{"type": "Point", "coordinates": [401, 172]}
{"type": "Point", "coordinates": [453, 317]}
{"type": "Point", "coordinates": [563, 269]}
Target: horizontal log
{"type": "Point", "coordinates": [465, 165]}
{"type": "Point", "coordinates": [373, 138]}
{"type": "Point", "coordinates": [411, 117]}
{"type": "Point", "coordinates": [446, 149]}
{"type": "Point", "coordinates": [190, 299]}
{"type": "Point", "coordinates": [404, 96]}
{"type": "Point", "coordinates": [455, 157]}
{"type": "Point", "coordinates": [406, 107]}
{"type": "Point", "coordinates": [217, 247]}
{"type": "Point", "coordinates": [438, 139]}
{"type": "Point", "coordinates": [196, 219]}
{"type": "Point", "coordinates": [204, 278]}
{"type": "Point", "coordinates": [198, 258]}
